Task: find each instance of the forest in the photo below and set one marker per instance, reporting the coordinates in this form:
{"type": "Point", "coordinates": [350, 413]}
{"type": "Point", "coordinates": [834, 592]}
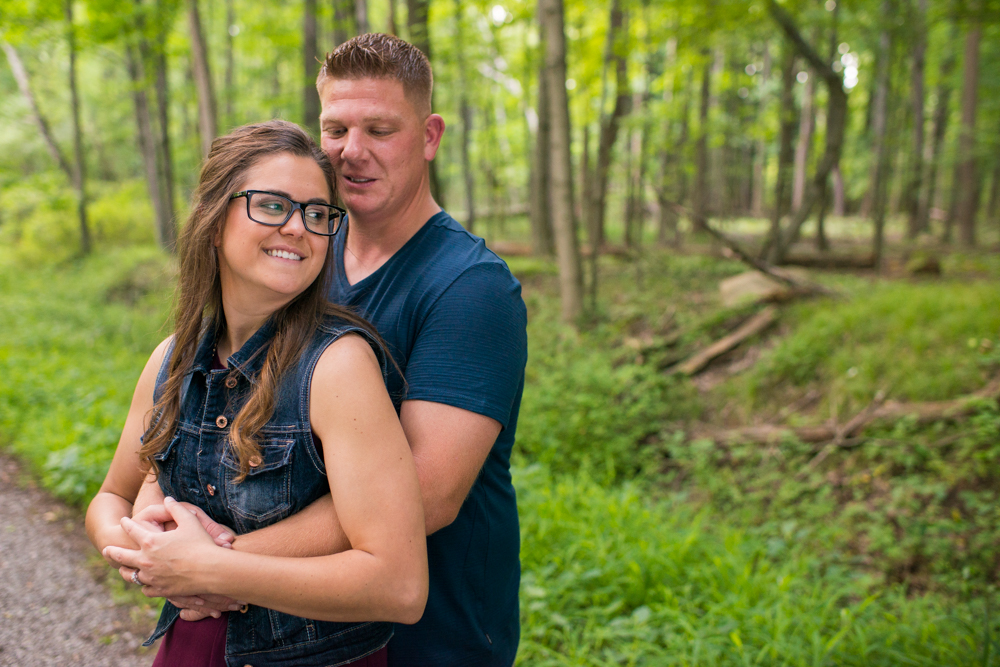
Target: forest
{"type": "Point", "coordinates": [759, 243]}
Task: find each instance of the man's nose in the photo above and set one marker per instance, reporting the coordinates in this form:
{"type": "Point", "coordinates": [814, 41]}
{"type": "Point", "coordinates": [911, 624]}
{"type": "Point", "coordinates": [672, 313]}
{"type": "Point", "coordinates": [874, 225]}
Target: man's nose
{"type": "Point", "coordinates": [353, 145]}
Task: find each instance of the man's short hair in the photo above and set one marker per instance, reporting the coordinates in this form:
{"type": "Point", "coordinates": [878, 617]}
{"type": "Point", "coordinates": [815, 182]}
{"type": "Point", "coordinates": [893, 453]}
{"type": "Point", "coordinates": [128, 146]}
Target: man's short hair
{"type": "Point", "coordinates": [379, 56]}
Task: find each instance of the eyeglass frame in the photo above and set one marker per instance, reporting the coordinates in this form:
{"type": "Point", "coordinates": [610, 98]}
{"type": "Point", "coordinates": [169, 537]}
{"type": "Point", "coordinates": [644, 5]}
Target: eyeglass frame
{"type": "Point", "coordinates": [296, 206]}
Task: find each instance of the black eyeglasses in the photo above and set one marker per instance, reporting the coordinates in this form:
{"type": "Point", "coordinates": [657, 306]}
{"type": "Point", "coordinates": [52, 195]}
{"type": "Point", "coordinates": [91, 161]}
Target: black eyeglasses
{"type": "Point", "coordinates": [273, 210]}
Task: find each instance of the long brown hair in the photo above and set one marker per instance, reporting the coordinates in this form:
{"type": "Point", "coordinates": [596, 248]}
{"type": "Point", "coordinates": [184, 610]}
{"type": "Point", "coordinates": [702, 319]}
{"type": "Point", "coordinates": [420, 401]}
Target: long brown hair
{"type": "Point", "coordinates": [199, 291]}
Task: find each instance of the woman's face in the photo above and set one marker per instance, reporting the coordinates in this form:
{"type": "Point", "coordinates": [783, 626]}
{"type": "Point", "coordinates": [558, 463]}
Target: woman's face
{"type": "Point", "coordinates": [263, 268]}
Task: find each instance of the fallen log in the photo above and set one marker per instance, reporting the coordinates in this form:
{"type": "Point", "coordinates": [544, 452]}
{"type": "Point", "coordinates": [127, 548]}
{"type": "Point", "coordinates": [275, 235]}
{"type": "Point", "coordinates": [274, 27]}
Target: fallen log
{"type": "Point", "coordinates": [923, 412]}
{"type": "Point", "coordinates": [751, 327]}
{"type": "Point", "coordinates": [822, 261]}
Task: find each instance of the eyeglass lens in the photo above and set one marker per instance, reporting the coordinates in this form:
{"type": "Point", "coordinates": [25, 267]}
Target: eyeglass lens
{"type": "Point", "coordinates": [275, 210]}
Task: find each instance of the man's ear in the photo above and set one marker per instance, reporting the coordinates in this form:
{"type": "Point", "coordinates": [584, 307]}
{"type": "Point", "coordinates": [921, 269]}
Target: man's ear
{"type": "Point", "coordinates": [433, 131]}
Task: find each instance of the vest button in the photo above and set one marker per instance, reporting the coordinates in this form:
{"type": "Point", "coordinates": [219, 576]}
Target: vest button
{"type": "Point", "coordinates": [254, 461]}
{"type": "Point", "coordinates": [210, 489]}
{"type": "Point", "coordinates": [230, 382]}
{"type": "Point", "coordinates": [221, 421]}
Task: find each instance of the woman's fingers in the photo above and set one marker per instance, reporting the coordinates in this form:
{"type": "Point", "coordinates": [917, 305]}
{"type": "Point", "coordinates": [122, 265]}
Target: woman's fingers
{"type": "Point", "coordinates": [124, 557]}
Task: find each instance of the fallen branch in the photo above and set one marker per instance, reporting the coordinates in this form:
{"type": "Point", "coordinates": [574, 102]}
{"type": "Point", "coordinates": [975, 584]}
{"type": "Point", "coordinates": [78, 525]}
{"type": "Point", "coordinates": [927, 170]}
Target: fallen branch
{"type": "Point", "coordinates": [924, 412]}
{"type": "Point", "coordinates": [751, 327]}
{"type": "Point", "coordinates": [848, 430]}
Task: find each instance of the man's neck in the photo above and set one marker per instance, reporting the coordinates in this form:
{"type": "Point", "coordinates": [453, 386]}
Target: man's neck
{"type": "Point", "coordinates": [372, 240]}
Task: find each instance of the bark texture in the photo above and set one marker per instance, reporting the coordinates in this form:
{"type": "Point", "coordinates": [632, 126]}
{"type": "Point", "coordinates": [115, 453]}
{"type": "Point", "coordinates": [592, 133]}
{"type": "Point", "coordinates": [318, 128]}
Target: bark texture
{"type": "Point", "coordinates": [567, 246]}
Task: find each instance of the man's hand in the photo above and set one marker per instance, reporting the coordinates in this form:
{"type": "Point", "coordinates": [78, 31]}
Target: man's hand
{"type": "Point", "coordinates": [156, 518]}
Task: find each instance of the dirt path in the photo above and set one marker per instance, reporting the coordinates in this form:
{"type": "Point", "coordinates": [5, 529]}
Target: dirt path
{"type": "Point", "coordinates": [53, 611]}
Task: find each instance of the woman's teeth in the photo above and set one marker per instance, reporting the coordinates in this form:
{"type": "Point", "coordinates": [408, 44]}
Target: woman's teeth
{"type": "Point", "coordinates": [282, 254]}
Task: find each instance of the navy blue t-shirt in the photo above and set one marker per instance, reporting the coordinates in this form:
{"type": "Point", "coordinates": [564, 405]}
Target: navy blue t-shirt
{"type": "Point", "coordinates": [453, 319]}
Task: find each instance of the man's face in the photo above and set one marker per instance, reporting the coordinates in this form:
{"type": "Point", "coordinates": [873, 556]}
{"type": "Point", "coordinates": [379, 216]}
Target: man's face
{"type": "Point", "coordinates": [378, 143]}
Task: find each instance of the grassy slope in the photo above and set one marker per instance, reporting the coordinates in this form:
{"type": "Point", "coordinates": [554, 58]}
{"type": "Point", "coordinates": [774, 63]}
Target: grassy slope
{"type": "Point", "coordinates": [640, 548]}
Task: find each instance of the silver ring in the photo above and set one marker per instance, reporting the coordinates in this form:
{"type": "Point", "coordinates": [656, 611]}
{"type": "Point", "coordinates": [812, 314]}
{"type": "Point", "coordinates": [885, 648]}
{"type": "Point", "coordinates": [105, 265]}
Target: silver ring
{"type": "Point", "coordinates": [135, 578]}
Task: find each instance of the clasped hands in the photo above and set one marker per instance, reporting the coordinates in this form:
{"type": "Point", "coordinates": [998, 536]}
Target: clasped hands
{"type": "Point", "coordinates": [171, 538]}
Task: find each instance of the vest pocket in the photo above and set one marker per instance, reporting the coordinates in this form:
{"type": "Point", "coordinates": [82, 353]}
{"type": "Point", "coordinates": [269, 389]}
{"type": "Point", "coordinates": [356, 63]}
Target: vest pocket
{"type": "Point", "coordinates": [265, 494]}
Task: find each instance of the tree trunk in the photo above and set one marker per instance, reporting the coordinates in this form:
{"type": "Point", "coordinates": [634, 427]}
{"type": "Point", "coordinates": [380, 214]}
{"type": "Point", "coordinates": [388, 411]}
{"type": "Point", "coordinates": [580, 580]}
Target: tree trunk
{"type": "Point", "coordinates": [310, 68]}
{"type": "Point", "coordinates": [207, 124]}
{"type": "Point", "coordinates": [392, 28]}
{"type": "Point", "coordinates": [786, 113]}
{"type": "Point", "coordinates": [361, 12]}
{"type": "Point", "coordinates": [966, 177]}
{"type": "Point", "coordinates": [911, 193]}
{"type": "Point", "coordinates": [699, 199]}
{"type": "Point", "coordinates": [568, 252]}
{"type": "Point", "coordinates": [880, 113]}
{"type": "Point", "coordinates": [836, 117]}
{"type": "Point", "coordinates": [807, 120]}
{"type": "Point", "coordinates": [79, 167]}
{"type": "Point", "coordinates": [465, 113]}
{"type": "Point", "coordinates": [667, 227]}
{"type": "Point", "coordinates": [342, 22]}
{"type": "Point", "coordinates": [416, 20]}
{"type": "Point", "coordinates": [615, 55]}
{"type": "Point", "coordinates": [541, 210]}
{"type": "Point", "coordinates": [940, 123]}
{"type": "Point", "coordinates": [230, 62]}
{"type": "Point", "coordinates": [163, 151]}
{"type": "Point", "coordinates": [145, 137]}
{"type": "Point", "coordinates": [839, 205]}
{"type": "Point", "coordinates": [760, 155]}
{"type": "Point", "coordinates": [822, 243]}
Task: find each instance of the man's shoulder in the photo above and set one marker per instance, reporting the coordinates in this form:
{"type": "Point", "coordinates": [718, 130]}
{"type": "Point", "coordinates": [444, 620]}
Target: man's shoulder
{"type": "Point", "coordinates": [447, 252]}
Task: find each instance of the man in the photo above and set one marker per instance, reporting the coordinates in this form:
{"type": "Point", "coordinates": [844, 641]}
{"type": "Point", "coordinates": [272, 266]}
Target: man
{"type": "Point", "coordinates": [454, 322]}
{"type": "Point", "coordinates": [452, 316]}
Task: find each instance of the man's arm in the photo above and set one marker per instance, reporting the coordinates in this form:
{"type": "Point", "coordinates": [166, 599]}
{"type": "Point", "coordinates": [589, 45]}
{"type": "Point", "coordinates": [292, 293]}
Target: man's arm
{"type": "Point", "coordinates": [449, 448]}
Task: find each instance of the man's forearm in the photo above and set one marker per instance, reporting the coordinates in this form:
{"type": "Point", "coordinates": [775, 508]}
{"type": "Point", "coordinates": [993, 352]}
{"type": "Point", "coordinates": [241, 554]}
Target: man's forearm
{"type": "Point", "coordinates": [315, 531]}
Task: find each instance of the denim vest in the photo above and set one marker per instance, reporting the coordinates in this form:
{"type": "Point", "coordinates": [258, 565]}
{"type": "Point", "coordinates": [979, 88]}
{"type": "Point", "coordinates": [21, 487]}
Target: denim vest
{"type": "Point", "coordinates": [199, 467]}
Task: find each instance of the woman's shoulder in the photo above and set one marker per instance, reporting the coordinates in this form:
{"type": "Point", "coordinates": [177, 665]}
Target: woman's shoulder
{"type": "Point", "coordinates": [349, 337]}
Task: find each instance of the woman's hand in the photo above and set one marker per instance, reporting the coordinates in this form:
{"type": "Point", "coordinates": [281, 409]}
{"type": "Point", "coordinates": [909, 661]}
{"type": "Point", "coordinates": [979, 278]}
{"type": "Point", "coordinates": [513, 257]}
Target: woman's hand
{"type": "Point", "coordinates": [168, 564]}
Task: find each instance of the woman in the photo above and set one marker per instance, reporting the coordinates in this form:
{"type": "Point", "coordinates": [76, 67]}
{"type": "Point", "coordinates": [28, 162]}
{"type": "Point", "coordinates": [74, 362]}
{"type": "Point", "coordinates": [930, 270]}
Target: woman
{"type": "Point", "coordinates": [264, 399]}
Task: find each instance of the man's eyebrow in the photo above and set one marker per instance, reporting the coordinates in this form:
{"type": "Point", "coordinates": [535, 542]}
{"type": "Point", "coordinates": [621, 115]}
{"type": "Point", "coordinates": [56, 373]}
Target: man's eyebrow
{"type": "Point", "coordinates": [366, 119]}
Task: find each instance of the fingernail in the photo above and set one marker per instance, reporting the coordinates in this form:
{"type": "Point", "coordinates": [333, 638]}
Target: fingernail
{"type": "Point", "coordinates": [241, 603]}
{"type": "Point", "coordinates": [193, 512]}
{"type": "Point", "coordinates": [199, 602]}
{"type": "Point", "coordinates": [227, 545]}
{"type": "Point", "coordinates": [234, 607]}
{"type": "Point", "coordinates": [168, 499]}
{"type": "Point", "coordinates": [216, 614]}
{"type": "Point", "coordinates": [225, 536]}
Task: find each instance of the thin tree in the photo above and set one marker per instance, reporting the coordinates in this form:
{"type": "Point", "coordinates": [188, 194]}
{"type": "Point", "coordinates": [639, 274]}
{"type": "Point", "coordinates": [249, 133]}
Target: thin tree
{"type": "Point", "coordinates": [940, 126]}
{"type": "Point", "coordinates": [416, 22]}
{"type": "Point", "coordinates": [540, 212]}
{"type": "Point", "coordinates": [786, 116]}
{"type": "Point", "coordinates": [310, 96]}
{"type": "Point", "coordinates": [207, 114]}
{"type": "Point", "coordinates": [361, 14]}
{"type": "Point", "coordinates": [615, 59]}
{"type": "Point", "coordinates": [807, 121]}
{"type": "Point", "coordinates": [465, 113]}
{"type": "Point", "coordinates": [74, 172]}
{"type": "Point", "coordinates": [911, 193]}
{"type": "Point", "coordinates": [699, 199]}
{"type": "Point", "coordinates": [551, 17]}
{"type": "Point", "coordinates": [760, 154]}
{"type": "Point", "coordinates": [966, 176]}
{"type": "Point", "coordinates": [880, 113]}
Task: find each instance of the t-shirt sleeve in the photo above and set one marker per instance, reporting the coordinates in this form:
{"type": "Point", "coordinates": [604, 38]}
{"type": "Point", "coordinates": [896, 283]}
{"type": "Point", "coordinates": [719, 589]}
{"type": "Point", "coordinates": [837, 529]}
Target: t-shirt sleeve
{"type": "Point", "coordinates": [472, 346]}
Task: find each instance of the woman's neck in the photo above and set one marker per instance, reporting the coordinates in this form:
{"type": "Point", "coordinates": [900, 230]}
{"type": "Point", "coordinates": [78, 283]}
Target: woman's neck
{"type": "Point", "coordinates": [240, 326]}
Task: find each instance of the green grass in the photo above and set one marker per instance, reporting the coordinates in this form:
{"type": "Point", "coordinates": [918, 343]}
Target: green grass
{"type": "Point", "coordinates": [916, 341]}
{"type": "Point", "coordinates": [611, 578]}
